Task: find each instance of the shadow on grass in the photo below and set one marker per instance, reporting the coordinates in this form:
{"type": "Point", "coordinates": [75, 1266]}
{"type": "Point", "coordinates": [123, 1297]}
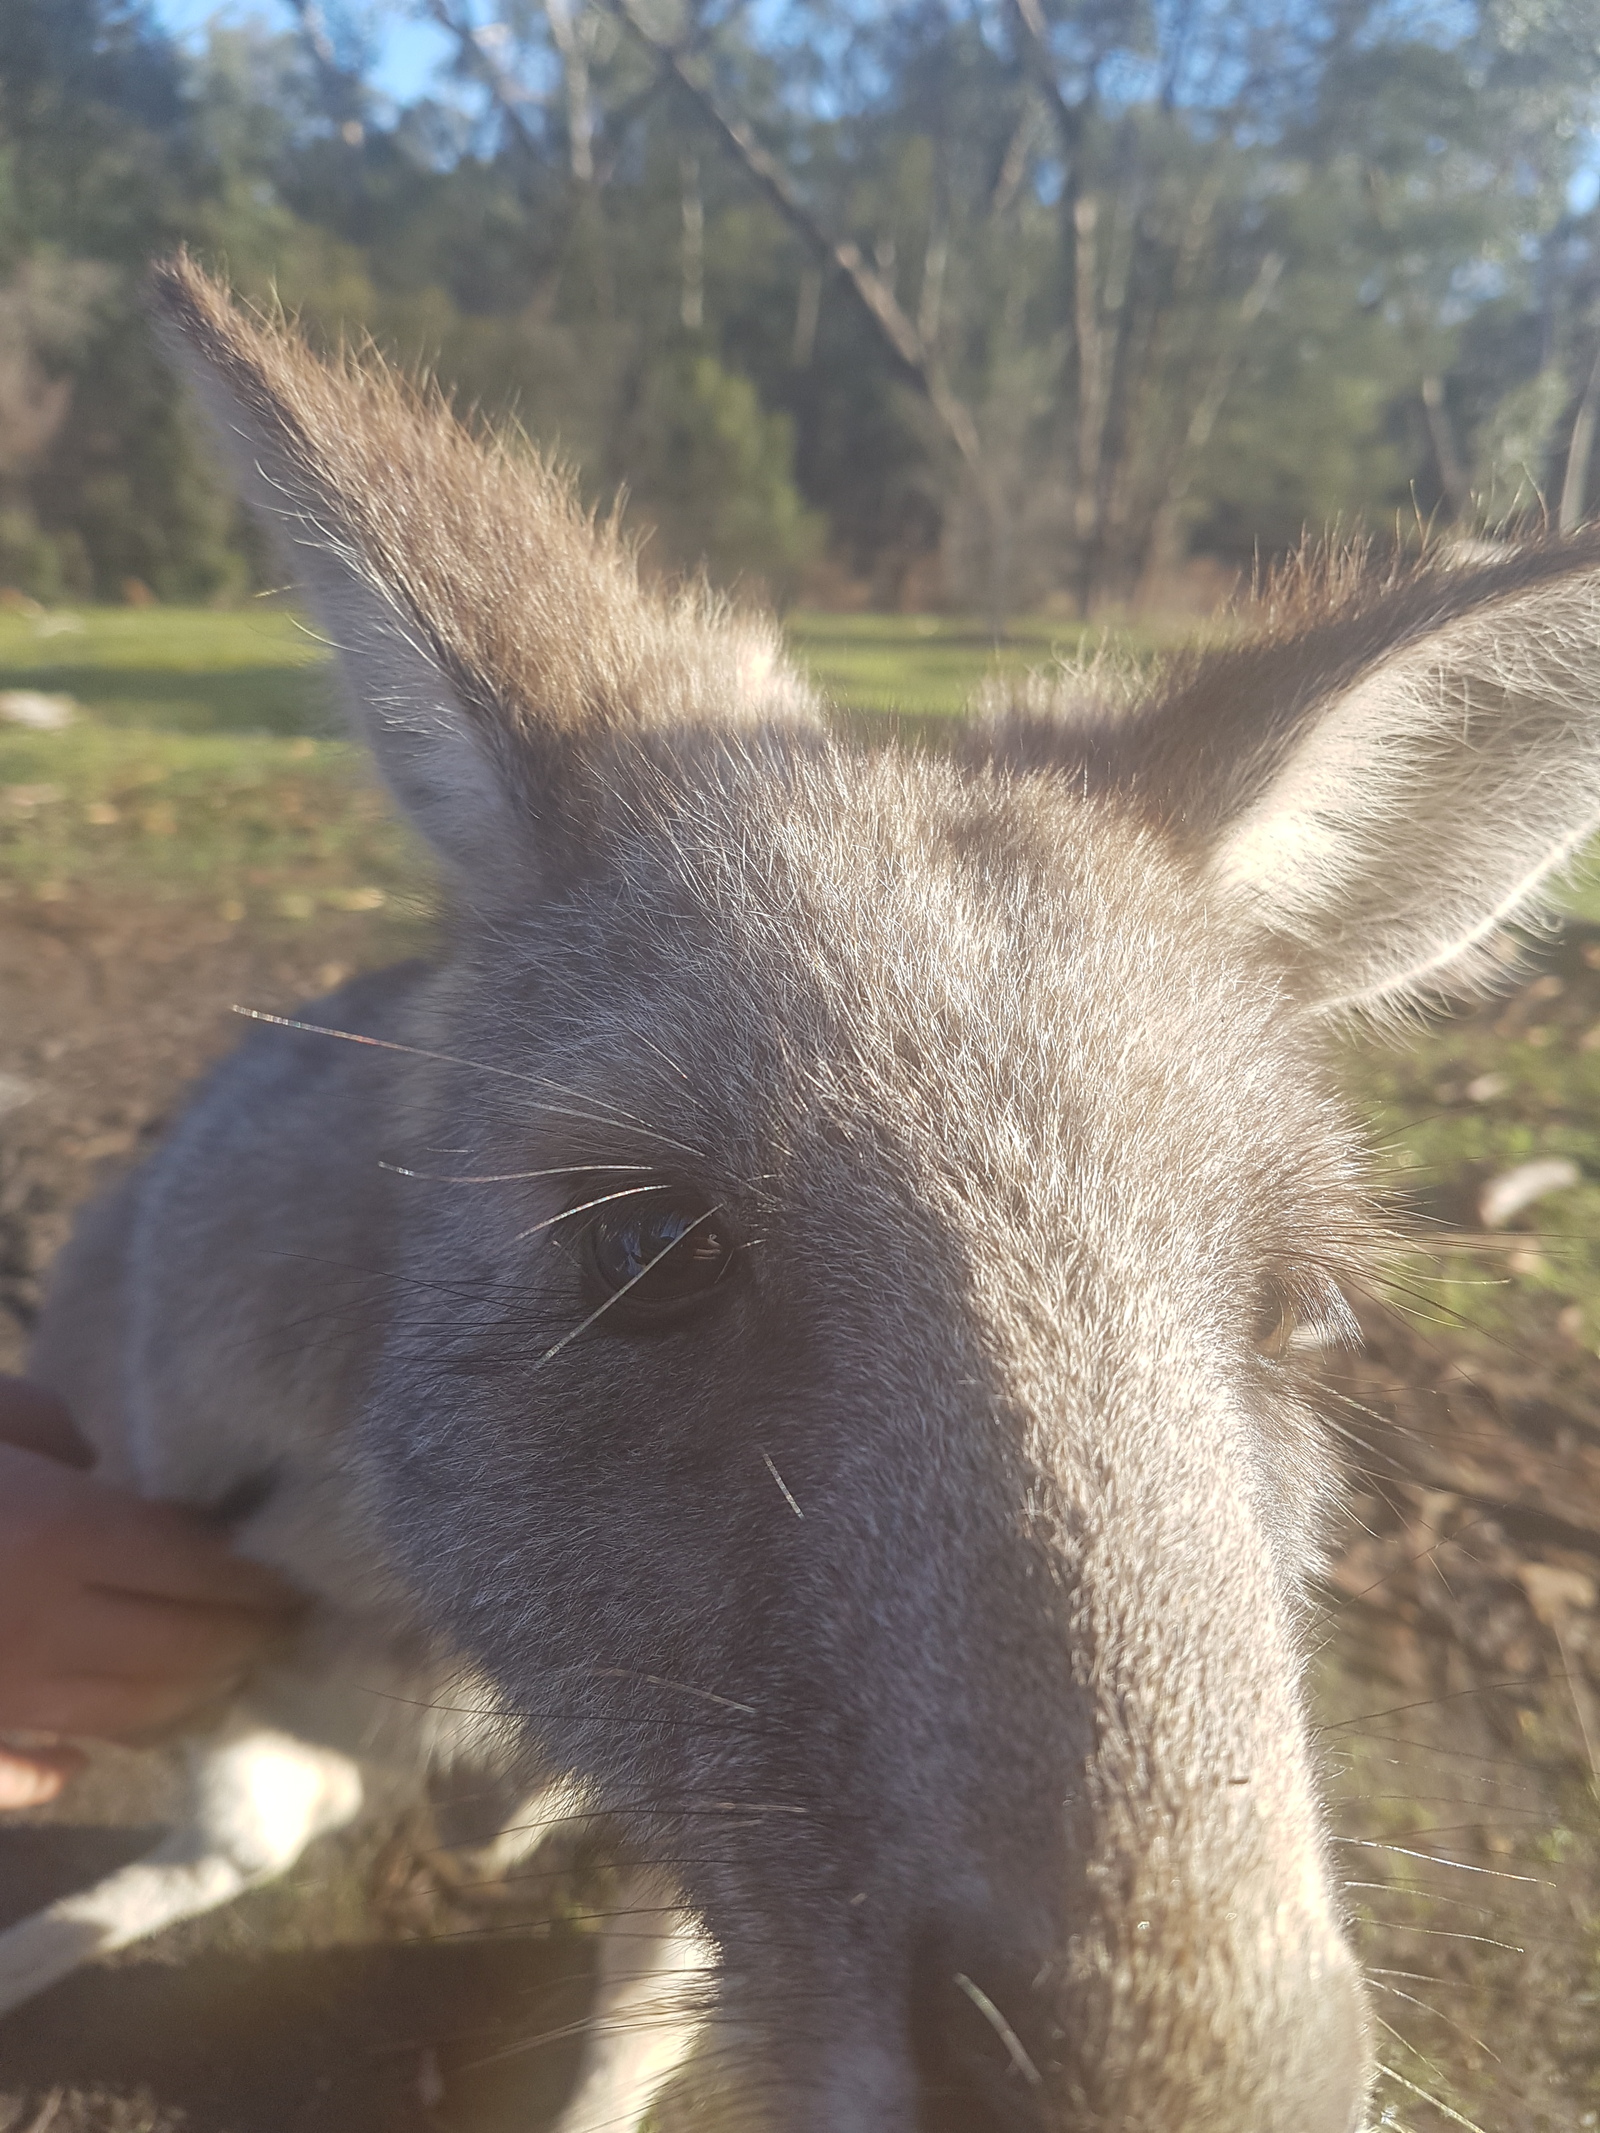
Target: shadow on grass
{"type": "Point", "coordinates": [935, 730]}
{"type": "Point", "coordinates": [397, 2037]}
{"type": "Point", "coordinates": [901, 644]}
{"type": "Point", "coordinates": [235, 699]}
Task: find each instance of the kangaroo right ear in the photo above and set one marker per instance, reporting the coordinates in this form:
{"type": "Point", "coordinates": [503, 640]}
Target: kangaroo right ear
{"type": "Point", "coordinates": [490, 634]}
{"type": "Point", "coordinates": [1427, 762]}
{"type": "Point", "coordinates": [1374, 779]}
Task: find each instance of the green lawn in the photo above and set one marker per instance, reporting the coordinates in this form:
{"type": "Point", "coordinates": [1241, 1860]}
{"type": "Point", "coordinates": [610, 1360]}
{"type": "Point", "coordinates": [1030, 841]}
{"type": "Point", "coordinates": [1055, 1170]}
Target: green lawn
{"type": "Point", "coordinates": [922, 664]}
{"type": "Point", "coordinates": [254, 670]}
{"type": "Point", "coordinates": [260, 669]}
{"type": "Point", "coordinates": [205, 758]}
{"type": "Point", "coordinates": [1469, 1099]}
{"type": "Point", "coordinates": [203, 761]}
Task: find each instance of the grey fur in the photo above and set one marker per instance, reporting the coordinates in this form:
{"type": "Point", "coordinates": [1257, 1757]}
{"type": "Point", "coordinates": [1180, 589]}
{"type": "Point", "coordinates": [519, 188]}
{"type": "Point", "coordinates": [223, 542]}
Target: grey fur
{"type": "Point", "coordinates": [930, 1606]}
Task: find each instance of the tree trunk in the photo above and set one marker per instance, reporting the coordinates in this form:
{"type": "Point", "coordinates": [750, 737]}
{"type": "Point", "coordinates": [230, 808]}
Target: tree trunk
{"type": "Point", "coordinates": [692, 299]}
{"type": "Point", "coordinates": [1580, 450]}
{"type": "Point", "coordinates": [1091, 394]}
{"type": "Point", "coordinates": [1441, 433]}
{"type": "Point", "coordinates": [575, 71]}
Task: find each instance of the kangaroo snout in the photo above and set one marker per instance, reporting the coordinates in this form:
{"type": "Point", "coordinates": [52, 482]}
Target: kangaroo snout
{"type": "Point", "coordinates": [1107, 1962]}
{"type": "Point", "coordinates": [1195, 2021]}
{"type": "Point", "coordinates": [1188, 2030]}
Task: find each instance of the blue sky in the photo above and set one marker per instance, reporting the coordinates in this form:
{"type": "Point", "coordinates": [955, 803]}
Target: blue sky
{"type": "Point", "coordinates": [412, 50]}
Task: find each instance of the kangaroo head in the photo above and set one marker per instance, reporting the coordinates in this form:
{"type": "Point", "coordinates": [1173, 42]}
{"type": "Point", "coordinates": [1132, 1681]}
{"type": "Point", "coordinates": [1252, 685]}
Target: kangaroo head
{"type": "Point", "coordinates": [850, 1399]}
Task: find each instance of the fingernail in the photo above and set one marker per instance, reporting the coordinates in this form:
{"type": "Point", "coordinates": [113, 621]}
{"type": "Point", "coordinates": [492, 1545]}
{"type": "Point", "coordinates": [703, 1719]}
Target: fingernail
{"type": "Point", "coordinates": [26, 1785]}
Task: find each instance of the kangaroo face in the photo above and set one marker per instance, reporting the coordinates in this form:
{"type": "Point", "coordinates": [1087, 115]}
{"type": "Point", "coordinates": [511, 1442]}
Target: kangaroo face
{"type": "Point", "coordinates": [914, 1557]}
{"type": "Point", "coordinates": [842, 1379]}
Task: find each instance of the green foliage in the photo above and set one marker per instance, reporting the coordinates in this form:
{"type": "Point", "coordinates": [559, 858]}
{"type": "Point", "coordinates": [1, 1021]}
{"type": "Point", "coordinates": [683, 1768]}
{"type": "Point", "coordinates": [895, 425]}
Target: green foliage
{"type": "Point", "coordinates": [98, 171]}
{"type": "Point", "coordinates": [1334, 284]}
{"type": "Point", "coordinates": [713, 472]}
{"type": "Point", "coordinates": [1514, 444]}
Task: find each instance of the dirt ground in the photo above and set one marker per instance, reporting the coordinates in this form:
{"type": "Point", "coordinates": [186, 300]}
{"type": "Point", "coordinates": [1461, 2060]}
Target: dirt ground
{"type": "Point", "coordinates": [1459, 1682]}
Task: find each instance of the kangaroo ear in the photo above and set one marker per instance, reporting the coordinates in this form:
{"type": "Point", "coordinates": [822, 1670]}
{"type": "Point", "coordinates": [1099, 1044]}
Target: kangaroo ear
{"type": "Point", "coordinates": [490, 634]}
{"type": "Point", "coordinates": [1375, 779]}
{"type": "Point", "coordinates": [1433, 763]}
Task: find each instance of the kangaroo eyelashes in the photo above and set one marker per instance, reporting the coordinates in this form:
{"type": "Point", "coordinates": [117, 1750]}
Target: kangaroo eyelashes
{"type": "Point", "coordinates": [1277, 1320]}
{"type": "Point", "coordinates": [1301, 1312]}
{"type": "Point", "coordinates": [653, 1258]}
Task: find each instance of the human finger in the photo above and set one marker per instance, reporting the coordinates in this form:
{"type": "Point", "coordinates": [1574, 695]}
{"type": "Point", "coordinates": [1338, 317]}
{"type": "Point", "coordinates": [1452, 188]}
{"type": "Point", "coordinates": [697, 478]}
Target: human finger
{"type": "Point", "coordinates": [33, 1776]}
{"type": "Point", "coordinates": [70, 1527]}
{"type": "Point", "coordinates": [34, 1420]}
{"type": "Point", "coordinates": [135, 1637]}
{"type": "Point", "coordinates": [101, 1707]}
{"type": "Point", "coordinates": [163, 1551]}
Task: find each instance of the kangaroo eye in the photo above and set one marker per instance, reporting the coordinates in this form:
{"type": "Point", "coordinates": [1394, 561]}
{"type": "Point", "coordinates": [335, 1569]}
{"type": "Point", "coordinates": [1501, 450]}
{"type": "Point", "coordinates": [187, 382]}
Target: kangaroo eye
{"type": "Point", "coordinates": [657, 1254]}
{"type": "Point", "coordinates": [1277, 1319]}
{"type": "Point", "coordinates": [1302, 1312]}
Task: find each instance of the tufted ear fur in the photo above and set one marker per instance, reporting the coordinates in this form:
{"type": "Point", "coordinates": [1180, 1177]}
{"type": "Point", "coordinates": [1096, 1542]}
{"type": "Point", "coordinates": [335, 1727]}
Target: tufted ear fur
{"type": "Point", "coordinates": [489, 630]}
{"type": "Point", "coordinates": [1375, 778]}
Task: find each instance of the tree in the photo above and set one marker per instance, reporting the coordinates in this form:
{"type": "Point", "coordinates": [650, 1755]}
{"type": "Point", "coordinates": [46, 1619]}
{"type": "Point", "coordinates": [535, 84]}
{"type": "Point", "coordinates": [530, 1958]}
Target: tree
{"type": "Point", "coordinates": [97, 169]}
{"type": "Point", "coordinates": [1025, 298]}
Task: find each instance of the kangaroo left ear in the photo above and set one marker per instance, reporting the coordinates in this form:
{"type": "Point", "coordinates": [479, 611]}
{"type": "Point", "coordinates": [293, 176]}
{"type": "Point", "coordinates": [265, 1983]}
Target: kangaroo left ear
{"type": "Point", "coordinates": [492, 637]}
{"type": "Point", "coordinates": [1381, 785]}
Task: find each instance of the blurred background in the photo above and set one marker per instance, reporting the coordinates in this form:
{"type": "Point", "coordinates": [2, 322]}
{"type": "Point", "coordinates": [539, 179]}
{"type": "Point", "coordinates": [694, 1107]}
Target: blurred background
{"type": "Point", "coordinates": [982, 305]}
{"type": "Point", "coordinates": [972, 334]}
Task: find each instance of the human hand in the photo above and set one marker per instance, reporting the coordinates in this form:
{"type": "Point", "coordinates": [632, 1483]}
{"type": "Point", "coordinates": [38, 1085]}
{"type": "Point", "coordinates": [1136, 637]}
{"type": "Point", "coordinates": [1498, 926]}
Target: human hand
{"type": "Point", "coordinates": [117, 1616]}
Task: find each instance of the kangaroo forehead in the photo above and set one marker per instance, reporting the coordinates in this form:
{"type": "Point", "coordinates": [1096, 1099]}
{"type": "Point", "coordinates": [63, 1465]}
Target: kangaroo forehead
{"type": "Point", "coordinates": [844, 855]}
{"type": "Point", "coordinates": [896, 901]}
{"type": "Point", "coordinates": [889, 941]}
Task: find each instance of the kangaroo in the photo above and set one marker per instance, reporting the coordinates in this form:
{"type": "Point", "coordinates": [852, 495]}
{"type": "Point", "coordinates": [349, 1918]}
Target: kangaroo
{"type": "Point", "coordinates": [796, 1327]}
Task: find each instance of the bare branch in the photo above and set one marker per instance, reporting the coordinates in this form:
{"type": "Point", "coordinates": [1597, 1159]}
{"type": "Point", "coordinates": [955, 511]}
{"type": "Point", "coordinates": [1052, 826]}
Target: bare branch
{"type": "Point", "coordinates": [1580, 449]}
{"type": "Point", "coordinates": [1033, 35]}
{"type": "Point", "coordinates": [506, 94]}
{"type": "Point", "coordinates": [617, 122]}
{"type": "Point", "coordinates": [343, 92]}
{"type": "Point", "coordinates": [878, 301]}
{"type": "Point", "coordinates": [593, 150]}
{"type": "Point", "coordinates": [575, 69]}
{"type": "Point", "coordinates": [1213, 398]}
{"type": "Point", "coordinates": [1014, 163]}
{"type": "Point", "coordinates": [692, 298]}
{"type": "Point", "coordinates": [1442, 436]}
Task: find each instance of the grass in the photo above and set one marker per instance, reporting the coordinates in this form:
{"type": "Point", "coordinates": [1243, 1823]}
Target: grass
{"type": "Point", "coordinates": [202, 763]}
{"type": "Point", "coordinates": [926, 665]}
{"type": "Point", "coordinates": [205, 759]}
{"type": "Point", "coordinates": [259, 670]}
{"type": "Point", "coordinates": [1467, 1100]}
{"type": "Point", "coordinates": [254, 670]}
{"type": "Point", "coordinates": [253, 824]}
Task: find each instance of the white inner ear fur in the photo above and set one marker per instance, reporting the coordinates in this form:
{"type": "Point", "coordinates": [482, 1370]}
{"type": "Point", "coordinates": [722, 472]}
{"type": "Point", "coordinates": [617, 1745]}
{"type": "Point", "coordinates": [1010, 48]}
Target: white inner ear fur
{"type": "Point", "coordinates": [1430, 802]}
{"type": "Point", "coordinates": [396, 697]}
{"type": "Point", "coordinates": [402, 706]}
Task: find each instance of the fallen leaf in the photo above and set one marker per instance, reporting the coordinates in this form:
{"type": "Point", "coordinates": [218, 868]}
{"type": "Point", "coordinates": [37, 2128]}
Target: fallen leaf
{"type": "Point", "coordinates": [1513, 1190]}
{"type": "Point", "coordinates": [37, 711]}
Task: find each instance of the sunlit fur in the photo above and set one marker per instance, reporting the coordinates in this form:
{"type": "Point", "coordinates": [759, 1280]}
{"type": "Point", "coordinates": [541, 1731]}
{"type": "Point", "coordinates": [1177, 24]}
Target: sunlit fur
{"type": "Point", "coordinates": [929, 1606]}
